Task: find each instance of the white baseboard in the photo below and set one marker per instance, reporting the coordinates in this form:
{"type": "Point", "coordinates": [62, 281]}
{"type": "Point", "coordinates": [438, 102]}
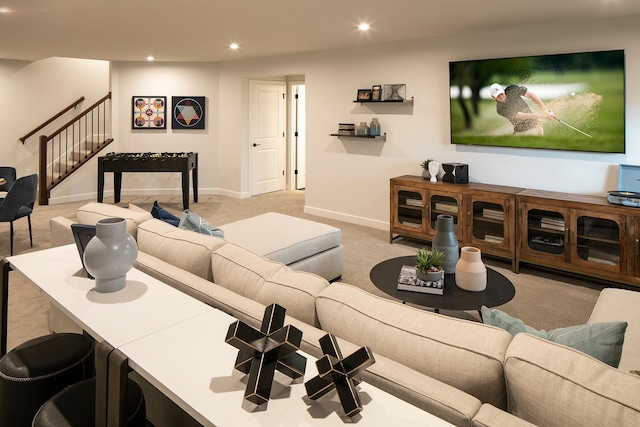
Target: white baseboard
{"type": "Point", "coordinates": [352, 219]}
{"type": "Point", "coordinates": [108, 194]}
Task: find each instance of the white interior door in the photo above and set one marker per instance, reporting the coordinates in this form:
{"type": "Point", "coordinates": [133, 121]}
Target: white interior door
{"type": "Point", "coordinates": [267, 136]}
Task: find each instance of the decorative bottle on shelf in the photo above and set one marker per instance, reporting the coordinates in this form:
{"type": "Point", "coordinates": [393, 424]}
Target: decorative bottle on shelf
{"type": "Point", "coordinates": [471, 273]}
{"type": "Point", "coordinates": [374, 127]}
{"type": "Point", "coordinates": [363, 129]}
{"type": "Point", "coordinates": [110, 254]}
{"type": "Point", "coordinates": [445, 240]}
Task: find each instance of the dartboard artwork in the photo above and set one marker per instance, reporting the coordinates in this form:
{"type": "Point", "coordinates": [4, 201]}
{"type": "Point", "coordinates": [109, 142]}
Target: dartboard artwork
{"type": "Point", "coordinates": [188, 112]}
{"type": "Point", "coordinates": [149, 112]}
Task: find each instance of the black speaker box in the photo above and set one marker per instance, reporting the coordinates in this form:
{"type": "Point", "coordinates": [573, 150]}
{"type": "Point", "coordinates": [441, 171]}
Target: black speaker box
{"type": "Point", "coordinates": [455, 173]}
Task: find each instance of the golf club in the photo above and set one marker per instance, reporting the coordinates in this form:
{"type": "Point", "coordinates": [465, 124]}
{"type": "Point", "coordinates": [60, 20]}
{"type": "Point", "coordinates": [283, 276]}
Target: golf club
{"type": "Point", "coordinates": [569, 126]}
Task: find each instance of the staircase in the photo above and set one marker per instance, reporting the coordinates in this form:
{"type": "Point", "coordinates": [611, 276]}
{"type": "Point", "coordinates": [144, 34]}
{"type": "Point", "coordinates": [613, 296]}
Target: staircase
{"type": "Point", "coordinates": [74, 144]}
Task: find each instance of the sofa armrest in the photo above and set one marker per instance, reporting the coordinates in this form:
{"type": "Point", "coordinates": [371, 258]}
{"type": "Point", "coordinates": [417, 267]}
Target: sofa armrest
{"type": "Point", "coordinates": [490, 416]}
{"type": "Point", "coordinates": [620, 305]}
{"type": "Point", "coordinates": [60, 228]}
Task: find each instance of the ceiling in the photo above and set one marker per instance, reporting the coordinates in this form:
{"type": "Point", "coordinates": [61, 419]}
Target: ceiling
{"type": "Point", "coordinates": [201, 30]}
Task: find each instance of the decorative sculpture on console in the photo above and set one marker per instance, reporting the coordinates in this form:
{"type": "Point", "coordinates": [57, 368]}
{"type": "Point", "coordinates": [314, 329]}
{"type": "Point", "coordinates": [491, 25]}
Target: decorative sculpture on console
{"type": "Point", "coordinates": [335, 371]}
{"type": "Point", "coordinates": [263, 351]}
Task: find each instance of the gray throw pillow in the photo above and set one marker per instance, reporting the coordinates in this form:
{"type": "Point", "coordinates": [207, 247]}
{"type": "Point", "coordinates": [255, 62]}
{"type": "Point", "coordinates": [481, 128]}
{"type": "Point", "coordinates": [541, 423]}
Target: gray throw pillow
{"type": "Point", "coordinates": [600, 340]}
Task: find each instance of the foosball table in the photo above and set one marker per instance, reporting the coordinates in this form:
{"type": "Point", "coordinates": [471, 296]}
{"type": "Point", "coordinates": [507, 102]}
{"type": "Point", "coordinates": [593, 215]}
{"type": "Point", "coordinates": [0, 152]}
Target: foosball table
{"type": "Point", "coordinates": [149, 162]}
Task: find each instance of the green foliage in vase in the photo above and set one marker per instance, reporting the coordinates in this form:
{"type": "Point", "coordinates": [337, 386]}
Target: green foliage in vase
{"type": "Point", "coordinates": [429, 260]}
{"type": "Point", "coordinates": [425, 164]}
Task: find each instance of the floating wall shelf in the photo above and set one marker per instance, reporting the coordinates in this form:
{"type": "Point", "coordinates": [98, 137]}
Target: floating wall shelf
{"type": "Point", "coordinates": [402, 101]}
{"type": "Point", "coordinates": [382, 137]}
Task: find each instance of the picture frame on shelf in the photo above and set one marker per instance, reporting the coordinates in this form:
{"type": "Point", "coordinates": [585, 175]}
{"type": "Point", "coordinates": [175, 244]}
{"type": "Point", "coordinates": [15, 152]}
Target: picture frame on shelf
{"type": "Point", "coordinates": [376, 93]}
{"type": "Point", "coordinates": [394, 92]}
{"type": "Point", "coordinates": [364, 95]}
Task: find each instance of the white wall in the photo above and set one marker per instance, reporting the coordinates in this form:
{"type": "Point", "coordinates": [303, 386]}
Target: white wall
{"type": "Point", "coordinates": [131, 79]}
{"type": "Point", "coordinates": [349, 179]}
{"type": "Point", "coordinates": [32, 92]}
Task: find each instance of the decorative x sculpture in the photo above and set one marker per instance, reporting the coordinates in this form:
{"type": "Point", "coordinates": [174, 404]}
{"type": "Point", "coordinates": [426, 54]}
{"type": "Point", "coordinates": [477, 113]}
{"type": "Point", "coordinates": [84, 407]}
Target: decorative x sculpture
{"type": "Point", "coordinates": [263, 351]}
{"type": "Point", "coordinates": [336, 371]}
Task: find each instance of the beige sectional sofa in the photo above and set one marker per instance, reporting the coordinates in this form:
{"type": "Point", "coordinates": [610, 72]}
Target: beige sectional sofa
{"type": "Point", "coordinates": [467, 373]}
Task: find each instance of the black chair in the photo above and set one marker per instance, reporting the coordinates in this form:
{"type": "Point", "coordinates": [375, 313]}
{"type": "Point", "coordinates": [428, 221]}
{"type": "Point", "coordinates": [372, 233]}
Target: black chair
{"type": "Point", "coordinates": [36, 370]}
{"type": "Point", "coordinates": [9, 175]}
{"type": "Point", "coordinates": [19, 203]}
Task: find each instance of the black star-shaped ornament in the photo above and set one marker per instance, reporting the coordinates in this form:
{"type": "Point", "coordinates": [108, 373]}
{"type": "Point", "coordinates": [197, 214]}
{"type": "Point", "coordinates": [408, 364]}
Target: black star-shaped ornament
{"type": "Point", "coordinates": [264, 351]}
{"type": "Point", "coordinates": [340, 373]}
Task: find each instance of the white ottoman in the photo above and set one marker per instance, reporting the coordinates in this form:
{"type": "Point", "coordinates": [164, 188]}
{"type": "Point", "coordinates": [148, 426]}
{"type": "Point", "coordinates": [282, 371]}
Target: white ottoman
{"type": "Point", "coordinates": [298, 243]}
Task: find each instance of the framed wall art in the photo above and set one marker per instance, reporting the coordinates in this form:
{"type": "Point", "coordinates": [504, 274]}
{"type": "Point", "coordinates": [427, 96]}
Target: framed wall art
{"type": "Point", "coordinates": [188, 112]}
{"type": "Point", "coordinates": [394, 92]}
{"type": "Point", "coordinates": [376, 93]}
{"type": "Point", "coordinates": [364, 94]}
{"type": "Point", "coordinates": [148, 112]}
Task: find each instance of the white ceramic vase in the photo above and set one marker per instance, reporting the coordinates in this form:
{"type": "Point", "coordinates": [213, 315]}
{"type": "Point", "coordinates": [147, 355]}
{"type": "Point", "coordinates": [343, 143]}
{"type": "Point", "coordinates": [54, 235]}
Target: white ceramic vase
{"type": "Point", "coordinates": [471, 273]}
{"type": "Point", "coordinates": [434, 169]}
{"type": "Point", "coordinates": [110, 254]}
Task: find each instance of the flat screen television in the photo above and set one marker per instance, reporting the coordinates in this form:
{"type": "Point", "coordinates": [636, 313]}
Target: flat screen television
{"type": "Point", "coordinates": [573, 101]}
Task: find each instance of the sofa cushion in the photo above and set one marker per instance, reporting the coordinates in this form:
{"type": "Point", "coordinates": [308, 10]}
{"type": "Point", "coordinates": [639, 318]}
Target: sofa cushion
{"type": "Point", "coordinates": [600, 340]}
{"type": "Point", "coordinates": [267, 282]}
{"type": "Point", "coordinates": [464, 354]}
{"type": "Point", "coordinates": [490, 416]}
{"type": "Point", "coordinates": [185, 249]}
{"type": "Point", "coordinates": [283, 238]}
{"type": "Point", "coordinates": [92, 212]}
{"type": "Point", "coordinates": [553, 385]}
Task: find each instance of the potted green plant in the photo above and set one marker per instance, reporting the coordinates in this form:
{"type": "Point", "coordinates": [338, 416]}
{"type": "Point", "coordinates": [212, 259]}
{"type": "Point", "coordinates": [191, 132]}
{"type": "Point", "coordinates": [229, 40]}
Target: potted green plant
{"type": "Point", "coordinates": [425, 168]}
{"type": "Point", "coordinates": [429, 265]}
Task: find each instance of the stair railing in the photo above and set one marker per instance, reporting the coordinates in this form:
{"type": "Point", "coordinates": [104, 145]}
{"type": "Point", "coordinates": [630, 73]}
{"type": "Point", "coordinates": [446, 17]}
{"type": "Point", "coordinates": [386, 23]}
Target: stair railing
{"type": "Point", "coordinates": [51, 120]}
{"type": "Point", "coordinates": [68, 148]}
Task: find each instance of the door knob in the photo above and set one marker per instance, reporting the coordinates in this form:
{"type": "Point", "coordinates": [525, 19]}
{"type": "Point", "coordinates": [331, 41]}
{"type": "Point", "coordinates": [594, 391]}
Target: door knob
{"type": "Point", "coordinates": [255, 144]}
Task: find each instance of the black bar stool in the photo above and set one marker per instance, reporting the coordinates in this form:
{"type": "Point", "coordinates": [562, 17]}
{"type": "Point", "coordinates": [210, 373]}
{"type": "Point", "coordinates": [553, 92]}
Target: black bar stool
{"type": "Point", "coordinates": [36, 370]}
{"type": "Point", "coordinates": [75, 406]}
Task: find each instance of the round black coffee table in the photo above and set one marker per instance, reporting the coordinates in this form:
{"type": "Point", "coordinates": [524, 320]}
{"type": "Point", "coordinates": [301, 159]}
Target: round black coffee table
{"type": "Point", "coordinates": [499, 289]}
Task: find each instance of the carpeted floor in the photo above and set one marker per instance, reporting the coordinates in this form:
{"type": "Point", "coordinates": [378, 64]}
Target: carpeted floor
{"type": "Point", "coordinates": [543, 300]}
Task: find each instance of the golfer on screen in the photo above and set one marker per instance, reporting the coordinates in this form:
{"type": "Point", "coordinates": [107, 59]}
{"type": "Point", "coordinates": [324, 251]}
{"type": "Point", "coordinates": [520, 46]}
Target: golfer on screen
{"type": "Point", "coordinates": [511, 105]}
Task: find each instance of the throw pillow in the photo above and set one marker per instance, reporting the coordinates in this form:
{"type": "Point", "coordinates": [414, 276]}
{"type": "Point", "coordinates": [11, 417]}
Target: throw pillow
{"type": "Point", "coordinates": [600, 340]}
{"type": "Point", "coordinates": [193, 222]}
{"type": "Point", "coordinates": [136, 208]}
{"type": "Point", "coordinates": [159, 212]}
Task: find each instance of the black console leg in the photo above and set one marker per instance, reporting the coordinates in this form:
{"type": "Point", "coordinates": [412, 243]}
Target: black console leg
{"type": "Point", "coordinates": [4, 304]}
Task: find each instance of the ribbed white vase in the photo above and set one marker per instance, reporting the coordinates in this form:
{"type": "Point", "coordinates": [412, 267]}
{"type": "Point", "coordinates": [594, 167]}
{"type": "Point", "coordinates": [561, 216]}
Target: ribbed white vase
{"type": "Point", "coordinates": [471, 273]}
{"type": "Point", "coordinates": [110, 254]}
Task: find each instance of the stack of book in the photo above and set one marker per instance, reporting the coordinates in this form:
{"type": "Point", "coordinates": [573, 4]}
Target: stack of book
{"type": "Point", "coordinates": [408, 281]}
{"type": "Point", "coordinates": [414, 202]}
{"type": "Point", "coordinates": [493, 239]}
{"type": "Point", "coordinates": [411, 223]}
{"type": "Point", "coordinates": [493, 214]}
{"type": "Point", "coordinates": [551, 223]}
{"type": "Point", "coordinates": [446, 207]}
{"type": "Point", "coordinates": [346, 129]}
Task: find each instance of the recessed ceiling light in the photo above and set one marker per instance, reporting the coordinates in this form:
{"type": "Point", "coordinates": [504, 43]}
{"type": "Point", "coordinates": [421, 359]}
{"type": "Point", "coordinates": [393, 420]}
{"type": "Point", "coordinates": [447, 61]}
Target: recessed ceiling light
{"type": "Point", "coordinates": [234, 46]}
{"type": "Point", "coordinates": [5, 11]}
{"type": "Point", "coordinates": [150, 58]}
{"type": "Point", "coordinates": [363, 27]}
